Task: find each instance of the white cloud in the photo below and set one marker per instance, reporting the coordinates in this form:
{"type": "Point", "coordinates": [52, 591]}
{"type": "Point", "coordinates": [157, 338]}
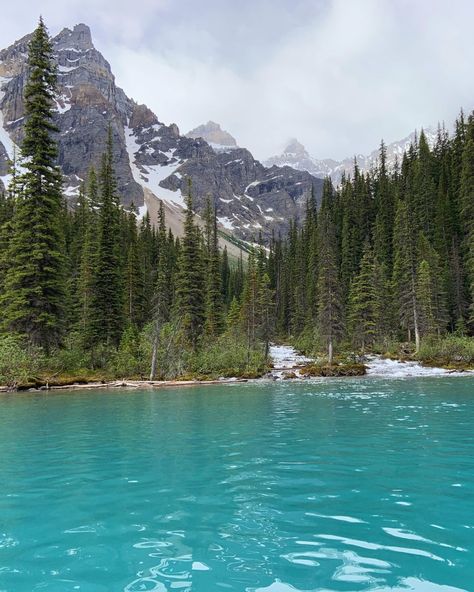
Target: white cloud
{"type": "Point", "coordinates": [338, 75]}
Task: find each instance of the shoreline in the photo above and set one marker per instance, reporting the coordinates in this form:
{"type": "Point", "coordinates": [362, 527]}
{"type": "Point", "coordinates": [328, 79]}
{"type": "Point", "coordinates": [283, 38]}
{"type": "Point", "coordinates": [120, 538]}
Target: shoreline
{"type": "Point", "coordinates": [118, 384]}
{"type": "Point", "coordinates": [288, 366]}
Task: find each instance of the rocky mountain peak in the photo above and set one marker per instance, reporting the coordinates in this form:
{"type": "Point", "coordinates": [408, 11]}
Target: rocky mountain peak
{"type": "Point", "coordinates": [296, 156]}
{"type": "Point", "coordinates": [214, 135]}
{"type": "Point", "coordinates": [79, 38]}
{"type": "Point", "coordinates": [152, 160]}
{"type": "Point", "coordinates": [296, 148]}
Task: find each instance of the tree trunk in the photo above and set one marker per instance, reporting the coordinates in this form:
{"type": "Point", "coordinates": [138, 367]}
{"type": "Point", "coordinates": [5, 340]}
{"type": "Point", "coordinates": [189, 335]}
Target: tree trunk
{"type": "Point", "coordinates": [154, 357]}
{"type": "Point", "coordinates": [417, 337]}
{"type": "Point", "coordinates": [415, 327]}
{"type": "Point", "coordinates": [415, 317]}
{"type": "Point", "coordinates": [330, 351]}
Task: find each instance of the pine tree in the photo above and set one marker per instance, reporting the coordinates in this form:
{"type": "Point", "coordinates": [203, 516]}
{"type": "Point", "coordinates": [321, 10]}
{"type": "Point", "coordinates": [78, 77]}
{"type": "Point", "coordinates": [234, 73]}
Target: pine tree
{"type": "Point", "coordinates": [362, 313]}
{"type": "Point", "coordinates": [330, 303]}
{"type": "Point", "coordinates": [35, 286]}
{"type": "Point", "coordinates": [424, 192]}
{"type": "Point", "coordinates": [467, 211]}
{"type": "Point", "coordinates": [383, 228]}
{"type": "Point", "coordinates": [162, 296]}
{"type": "Point", "coordinates": [265, 312]}
{"type": "Point", "coordinates": [106, 312]}
{"type": "Point", "coordinates": [86, 279]}
{"type": "Point", "coordinates": [147, 260]}
{"type": "Point", "coordinates": [427, 253]}
{"type": "Point", "coordinates": [233, 320]}
{"type": "Point", "coordinates": [225, 277]}
{"type": "Point", "coordinates": [214, 323]}
{"type": "Point", "coordinates": [404, 271]}
{"type": "Point", "coordinates": [425, 299]}
{"type": "Point", "coordinates": [190, 292]}
{"type": "Point", "coordinates": [7, 208]}
{"type": "Point", "coordinates": [249, 308]}
{"type": "Point", "coordinates": [134, 277]}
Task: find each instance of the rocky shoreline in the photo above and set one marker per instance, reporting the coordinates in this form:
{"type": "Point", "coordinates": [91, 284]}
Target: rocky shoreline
{"type": "Point", "coordinates": [288, 364]}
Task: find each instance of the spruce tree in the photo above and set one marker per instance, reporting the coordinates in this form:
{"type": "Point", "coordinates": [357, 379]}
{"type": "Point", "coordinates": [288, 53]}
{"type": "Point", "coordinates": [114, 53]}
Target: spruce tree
{"type": "Point", "coordinates": [162, 296]}
{"type": "Point", "coordinates": [214, 323]}
{"type": "Point", "coordinates": [249, 308]}
{"type": "Point", "coordinates": [330, 299]}
{"type": "Point", "coordinates": [106, 313]}
{"type": "Point", "coordinates": [233, 321]}
{"type": "Point", "coordinates": [190, 292]}
{"type": "Point", "coordinates": [362, 314]}
{"type": "Point", "coordinates": [467, 211]}
{"type": "Point", "coordinates": [425, 299]}
{"type": "Point", "coordinates": [86, 279]}
{"type": "Point", "coordinates": [134, 277]}
{"type": "Point", "coordinates": [265, 312]}
{"type": "Point", "coordinates": [404, 271]}
{"type": "Point", "coordinates": [35, 286]}
{"type": "Point", "coordinates": [383, 228]}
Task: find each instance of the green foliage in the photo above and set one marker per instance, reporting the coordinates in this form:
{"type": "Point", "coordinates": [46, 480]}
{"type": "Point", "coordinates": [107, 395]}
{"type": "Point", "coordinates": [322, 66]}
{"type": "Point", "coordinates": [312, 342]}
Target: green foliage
{"type": "Point", "coordinates": [131, 359]}
{"type": "Point", "coordinates": [34, 286]}
{"type": "Point", "coordinates": [19, 362]}
{"type": "Point", "coordinates": [228, 356]}
{"type": "Point", "coordinates": [425, 298]}
{"type": "Point", "coordinates": [106, 315]}
{"type": "Point", "coordinates": [452, 350]}
{"type": "Point", "coordinates": [308, 341]}
{"type": "Point", "coordinates": [330, 304]}
{"type": "Point", "coordinates": [363, 312]}
{"type": "Point", "coordinates": [190, 284]}
{"type": "Point", "coordinates": [388, 256]}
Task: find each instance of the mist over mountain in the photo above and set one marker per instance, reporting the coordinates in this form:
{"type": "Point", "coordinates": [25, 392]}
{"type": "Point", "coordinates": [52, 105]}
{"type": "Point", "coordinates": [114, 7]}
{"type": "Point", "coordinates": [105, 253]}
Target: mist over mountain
{"type": "Point", "coordinates": [296, 156]}
{"type": "Point", "coordinates": [153, 160]}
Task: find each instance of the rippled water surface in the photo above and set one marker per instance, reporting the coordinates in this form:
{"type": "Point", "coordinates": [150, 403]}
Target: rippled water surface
{"type": "Point", "coordinates": [343, 485]}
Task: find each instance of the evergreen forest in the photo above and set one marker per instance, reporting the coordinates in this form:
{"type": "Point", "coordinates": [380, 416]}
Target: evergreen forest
{"type": "Point", "coordinates": [384, 264]}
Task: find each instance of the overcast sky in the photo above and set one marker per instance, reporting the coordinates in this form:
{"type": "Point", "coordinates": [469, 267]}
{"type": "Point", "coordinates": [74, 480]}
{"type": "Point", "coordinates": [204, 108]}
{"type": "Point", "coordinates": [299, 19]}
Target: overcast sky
{"type": "Point", "coordinates": [337, 74]}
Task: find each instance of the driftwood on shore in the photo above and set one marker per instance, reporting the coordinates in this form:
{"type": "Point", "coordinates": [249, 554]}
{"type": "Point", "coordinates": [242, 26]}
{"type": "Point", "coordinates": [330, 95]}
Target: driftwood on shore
{"type": "Point", "coordinates": [121, 384]}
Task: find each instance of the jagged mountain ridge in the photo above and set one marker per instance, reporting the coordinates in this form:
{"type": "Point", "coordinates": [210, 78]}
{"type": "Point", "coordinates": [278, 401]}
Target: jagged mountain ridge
{"type": "Point", "coordinates": [296, 156]}
{"type": "Point", "coordinates": [152, 160]}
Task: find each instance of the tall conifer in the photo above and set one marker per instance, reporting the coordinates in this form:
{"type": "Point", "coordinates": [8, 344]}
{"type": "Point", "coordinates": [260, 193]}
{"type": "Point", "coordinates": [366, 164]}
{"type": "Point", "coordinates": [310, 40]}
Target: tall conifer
{"type": "Point", "coordinates": [35, 288]}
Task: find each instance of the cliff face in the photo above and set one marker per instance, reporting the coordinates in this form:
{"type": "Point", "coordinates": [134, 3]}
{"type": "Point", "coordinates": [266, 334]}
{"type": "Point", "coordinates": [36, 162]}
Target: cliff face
{"type": "Point", "coordinates": [152, 160]}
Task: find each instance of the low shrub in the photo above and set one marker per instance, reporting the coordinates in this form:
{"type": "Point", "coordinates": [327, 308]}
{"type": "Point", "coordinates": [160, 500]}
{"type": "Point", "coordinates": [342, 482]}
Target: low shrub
{"type": "Point", "coordinates": [19, 363]}
{"type": "Point", "coordinates": [452, 350]}
{"type": "Point", "coordinates": [228, 356]}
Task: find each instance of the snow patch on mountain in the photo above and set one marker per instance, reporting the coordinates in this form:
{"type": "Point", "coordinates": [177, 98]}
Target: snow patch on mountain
{"type": "Point", "coordinates": [296, 156]}
{"type": "Point", "coordinates": [4, 135]}
{"type": "Point", "coordinates": [5, 140]}
{"type": "Point", "coordinates": [151, 176]}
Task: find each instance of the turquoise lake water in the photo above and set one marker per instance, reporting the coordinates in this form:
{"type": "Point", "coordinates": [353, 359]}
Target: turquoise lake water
{"type": "Point", "coordinates": [339, 485]}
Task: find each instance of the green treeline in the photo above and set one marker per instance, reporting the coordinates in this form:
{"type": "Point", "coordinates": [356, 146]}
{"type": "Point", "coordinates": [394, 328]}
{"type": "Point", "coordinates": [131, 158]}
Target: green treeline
{"type": "Point", "coordinates": [92, 288]}
{"type": "Point", "coordinates": [387, 257]}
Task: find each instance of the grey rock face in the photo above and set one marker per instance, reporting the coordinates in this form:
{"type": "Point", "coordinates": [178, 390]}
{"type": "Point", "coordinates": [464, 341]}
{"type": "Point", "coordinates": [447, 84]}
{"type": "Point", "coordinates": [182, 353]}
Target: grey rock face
{"type": "Point", "coordinates": [215, 136]}
{"type": "Point", "coordinates": [147, 153]}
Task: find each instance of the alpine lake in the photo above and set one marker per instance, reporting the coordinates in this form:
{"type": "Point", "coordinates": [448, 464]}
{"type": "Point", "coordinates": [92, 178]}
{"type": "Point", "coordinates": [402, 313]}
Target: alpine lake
{"type": "Point", "coordinates": [327, 485]}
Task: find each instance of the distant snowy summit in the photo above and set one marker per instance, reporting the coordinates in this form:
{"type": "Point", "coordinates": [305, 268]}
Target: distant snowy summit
{"type": "Point", "coordinates": [220, 140]}
{"type": "Point", "coordinates": [296, 156]}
